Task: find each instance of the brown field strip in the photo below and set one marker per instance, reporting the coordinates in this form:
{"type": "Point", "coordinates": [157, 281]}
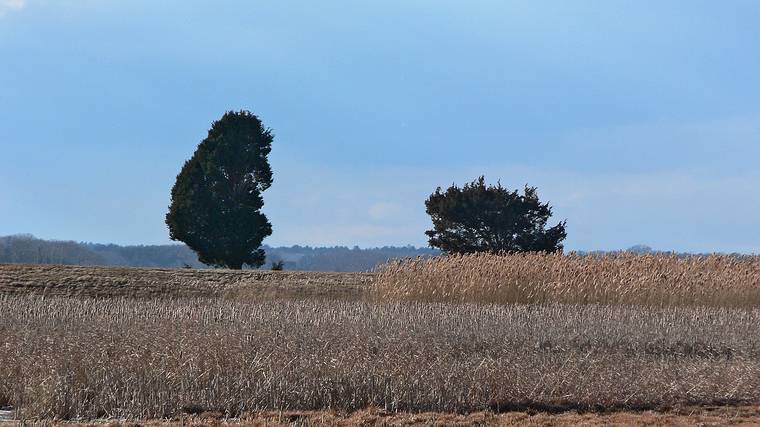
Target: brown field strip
{"type": "Point", "coordinates": [685, 416]}
{"type": "Point", "coordinates": [78, 281]}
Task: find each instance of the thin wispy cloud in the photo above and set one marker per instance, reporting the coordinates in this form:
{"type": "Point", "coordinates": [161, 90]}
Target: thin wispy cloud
{"type": "Point", "coordinates": [11, 5]}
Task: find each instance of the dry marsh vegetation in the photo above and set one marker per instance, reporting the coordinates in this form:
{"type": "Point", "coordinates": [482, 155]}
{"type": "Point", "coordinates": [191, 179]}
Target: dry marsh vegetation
{"type": "Point", "coordinates": [650, 280]}
{"type": "Point", "coordinates": [473, 335]}
{"type": "Point", "coordinates": [72, 358]}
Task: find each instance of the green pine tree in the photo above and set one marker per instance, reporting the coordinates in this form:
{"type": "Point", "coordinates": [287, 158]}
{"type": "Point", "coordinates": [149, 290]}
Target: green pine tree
{"type": "Point", "coordinates": [480, 218]}
{"type": "Point", "coordinates": [216, 200]}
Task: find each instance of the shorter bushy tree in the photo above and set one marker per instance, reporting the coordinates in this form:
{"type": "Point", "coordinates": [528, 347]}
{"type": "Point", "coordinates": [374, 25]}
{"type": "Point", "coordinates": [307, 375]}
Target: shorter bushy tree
{"type": "Point", "coordinates": [480, 218]}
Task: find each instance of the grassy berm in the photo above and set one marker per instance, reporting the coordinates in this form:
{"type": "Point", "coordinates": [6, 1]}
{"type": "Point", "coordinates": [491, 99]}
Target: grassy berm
{"type": "Point", "coordinates": [143, 283]}
{"type": "Point", "coordinates": [279, 348]}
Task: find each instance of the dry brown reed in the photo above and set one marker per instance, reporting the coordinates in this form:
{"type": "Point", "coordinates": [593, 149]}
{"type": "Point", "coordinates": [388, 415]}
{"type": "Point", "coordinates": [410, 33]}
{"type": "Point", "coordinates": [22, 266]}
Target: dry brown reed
{"type": "Point", "coordinates": [71, 358]}
{"type": "Point", "coordinates": [625, 278]}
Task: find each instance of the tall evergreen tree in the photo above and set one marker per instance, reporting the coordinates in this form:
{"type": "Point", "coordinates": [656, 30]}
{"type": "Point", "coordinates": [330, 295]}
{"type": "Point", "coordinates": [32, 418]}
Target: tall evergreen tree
{"type": "Point", "coordinates": [216, 200]}
{"type": "Point", "coordinates": [480, 218]}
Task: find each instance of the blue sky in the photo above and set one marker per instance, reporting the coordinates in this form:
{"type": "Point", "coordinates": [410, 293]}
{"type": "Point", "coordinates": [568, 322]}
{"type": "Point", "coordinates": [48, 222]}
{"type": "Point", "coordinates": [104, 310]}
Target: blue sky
{"type": "Point", "coordinates": [638, 120]}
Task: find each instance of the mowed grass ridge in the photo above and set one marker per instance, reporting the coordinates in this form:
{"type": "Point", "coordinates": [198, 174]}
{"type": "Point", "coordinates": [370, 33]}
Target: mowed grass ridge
{"type": "Point", "coordinates": [88, 281]}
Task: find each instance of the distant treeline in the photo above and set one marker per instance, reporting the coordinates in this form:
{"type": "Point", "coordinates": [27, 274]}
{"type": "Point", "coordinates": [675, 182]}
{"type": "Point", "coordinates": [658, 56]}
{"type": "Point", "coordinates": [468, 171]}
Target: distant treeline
{"type": "Point", "coordinates": [28, 249]}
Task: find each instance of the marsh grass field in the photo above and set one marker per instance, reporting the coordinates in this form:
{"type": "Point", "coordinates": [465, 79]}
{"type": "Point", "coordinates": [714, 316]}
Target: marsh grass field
{"type": "Point", "coordinates": [542, 340]}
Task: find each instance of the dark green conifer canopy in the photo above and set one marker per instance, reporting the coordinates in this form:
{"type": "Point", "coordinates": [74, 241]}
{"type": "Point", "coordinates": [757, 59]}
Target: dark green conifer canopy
{"type": "Point", "coordinates": [216, 200]}
{"type": "Point", "coordinates": [480, 218]}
